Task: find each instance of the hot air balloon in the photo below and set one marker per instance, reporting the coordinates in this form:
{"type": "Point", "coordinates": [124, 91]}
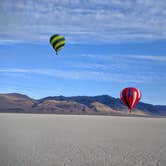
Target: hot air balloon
{"type": "Point", "coordinates": [130, 97]}
{"type": "Point", "coordinates": [57, 42]}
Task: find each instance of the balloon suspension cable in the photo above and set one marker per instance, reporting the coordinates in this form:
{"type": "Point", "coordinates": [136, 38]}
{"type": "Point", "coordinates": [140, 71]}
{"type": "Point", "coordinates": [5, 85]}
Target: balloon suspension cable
{"type": "Point", "coordinates": [56, 53]}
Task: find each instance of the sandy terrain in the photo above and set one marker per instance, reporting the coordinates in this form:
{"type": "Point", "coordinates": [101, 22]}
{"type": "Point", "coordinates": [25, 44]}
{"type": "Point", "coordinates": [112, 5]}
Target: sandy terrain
{"type": "Point", "coordinates": [64, 140]}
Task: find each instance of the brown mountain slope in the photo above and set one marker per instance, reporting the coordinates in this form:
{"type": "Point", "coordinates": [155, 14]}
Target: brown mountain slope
{"type": "Point", "coordinates": [103, 109]}
{"type": "Point", "coordinates": [15, 103]}
{"type": "Point", "coordinates": [59, 105]}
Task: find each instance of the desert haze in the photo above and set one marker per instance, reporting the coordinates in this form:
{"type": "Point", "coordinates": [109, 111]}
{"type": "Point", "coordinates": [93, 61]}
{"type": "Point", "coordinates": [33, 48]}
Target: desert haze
{"type": "Point", "coordinates": [81, 140]}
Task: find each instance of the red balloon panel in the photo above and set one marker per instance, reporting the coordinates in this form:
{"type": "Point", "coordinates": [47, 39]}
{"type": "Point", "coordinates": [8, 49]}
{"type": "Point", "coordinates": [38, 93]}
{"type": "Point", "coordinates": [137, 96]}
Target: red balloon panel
{"type": "Point", "coordinates": [130, 96]}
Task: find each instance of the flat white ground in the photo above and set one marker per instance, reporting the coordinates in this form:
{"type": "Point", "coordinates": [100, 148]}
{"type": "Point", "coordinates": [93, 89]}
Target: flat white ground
{"type": "Point", "coordinates": [70, 140]}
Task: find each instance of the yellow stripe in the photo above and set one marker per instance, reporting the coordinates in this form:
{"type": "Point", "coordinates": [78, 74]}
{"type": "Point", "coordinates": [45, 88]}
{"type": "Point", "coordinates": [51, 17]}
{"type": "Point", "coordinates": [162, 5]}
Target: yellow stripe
{"type": "Point", "coordinates": [58, 44]}
{"type": "Point", "coordinates": [55, 39]}
{"type": "Point", "coordinates": [59, 48]}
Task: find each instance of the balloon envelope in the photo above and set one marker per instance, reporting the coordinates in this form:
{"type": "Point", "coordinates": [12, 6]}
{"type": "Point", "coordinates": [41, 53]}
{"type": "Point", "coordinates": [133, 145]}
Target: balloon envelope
{"type": "Point", "coordinates": [57, 42]}
{"type": "Point", "coordinates": [130, 97]}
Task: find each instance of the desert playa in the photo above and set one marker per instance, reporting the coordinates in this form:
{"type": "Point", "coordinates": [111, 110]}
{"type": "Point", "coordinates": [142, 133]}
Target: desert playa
{"type": "Point", "coordinates": [81, 140]}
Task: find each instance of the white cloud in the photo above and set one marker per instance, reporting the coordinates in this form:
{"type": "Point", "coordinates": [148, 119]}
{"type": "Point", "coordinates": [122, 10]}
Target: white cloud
{"type": "Point", "coordinates": [84, 75]}
{"type": "Point", "coordinates": [92, 66]}
{"type": "Point", "coordinates": [126, 56]}
{"type": "Point", "coordinates": [95, 21]}
{"type": "Point", "coordinates": [148, 58]}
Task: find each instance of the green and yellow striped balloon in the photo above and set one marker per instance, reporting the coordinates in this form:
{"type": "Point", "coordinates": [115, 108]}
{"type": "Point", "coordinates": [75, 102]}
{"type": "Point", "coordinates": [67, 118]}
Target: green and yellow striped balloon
{"type": "Point", "coordinates": [57, 42]}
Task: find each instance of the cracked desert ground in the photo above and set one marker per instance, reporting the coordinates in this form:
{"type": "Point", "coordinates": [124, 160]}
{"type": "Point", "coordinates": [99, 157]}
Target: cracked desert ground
{"type": "Point", "coordinates": [80, 140]}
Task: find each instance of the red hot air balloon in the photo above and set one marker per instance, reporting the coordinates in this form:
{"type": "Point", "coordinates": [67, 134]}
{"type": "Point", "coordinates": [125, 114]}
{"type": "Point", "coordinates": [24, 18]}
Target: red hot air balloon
{"type": "Point", "coordinates": [130, 97]}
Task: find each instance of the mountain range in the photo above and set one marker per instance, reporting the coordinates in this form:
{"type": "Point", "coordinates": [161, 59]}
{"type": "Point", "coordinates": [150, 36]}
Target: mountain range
{"type": "Point", "coordinates": [84, 105]}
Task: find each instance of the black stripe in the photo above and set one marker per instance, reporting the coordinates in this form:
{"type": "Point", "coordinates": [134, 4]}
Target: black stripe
{"type": "Point", "coordinates": [57, 41]}
{"type": "Point", "coordinates": [53, 37]}
{"type": "Point", "coordinates": [60, 46]}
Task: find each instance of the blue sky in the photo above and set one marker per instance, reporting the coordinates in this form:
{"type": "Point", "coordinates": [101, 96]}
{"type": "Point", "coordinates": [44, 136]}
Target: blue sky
{"type": "Point", "coordinates": [111, 44]}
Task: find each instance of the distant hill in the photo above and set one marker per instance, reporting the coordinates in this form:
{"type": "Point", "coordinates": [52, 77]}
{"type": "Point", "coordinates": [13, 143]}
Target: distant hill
{"type": "Point", "coordinates": [97, 105]}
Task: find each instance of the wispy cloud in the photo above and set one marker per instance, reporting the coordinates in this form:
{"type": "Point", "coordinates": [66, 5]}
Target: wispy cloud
{"type": "Point", "coordinates": [92, 21]}
{"type": "Point", "coordinates": [88, 65]}
{"type": "Point", "coordinates": [149, 58]}
{"type": "Point", "coordinates": [84, 75]}
{"type": "Point", "coordinates": [124, 56]}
